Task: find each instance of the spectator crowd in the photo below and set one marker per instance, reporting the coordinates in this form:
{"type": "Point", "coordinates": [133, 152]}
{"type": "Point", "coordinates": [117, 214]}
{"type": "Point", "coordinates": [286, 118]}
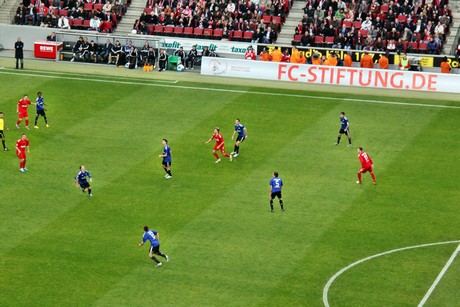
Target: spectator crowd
{"type": "Point", "coordinates": [378, 25]}
{"type": "Point", "coordinates": [97, 15]}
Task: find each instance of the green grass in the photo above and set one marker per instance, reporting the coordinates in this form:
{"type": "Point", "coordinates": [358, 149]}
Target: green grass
{"type": "Point", "coordinates": [61, 248]}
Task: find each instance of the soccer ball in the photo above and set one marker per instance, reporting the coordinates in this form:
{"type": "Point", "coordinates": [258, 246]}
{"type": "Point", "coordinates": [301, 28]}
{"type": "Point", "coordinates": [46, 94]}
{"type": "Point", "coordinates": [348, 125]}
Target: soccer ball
{"type": "Point", "coordinates": [180, 68]}
{"type": "Point", "coordinates": [134, 31]}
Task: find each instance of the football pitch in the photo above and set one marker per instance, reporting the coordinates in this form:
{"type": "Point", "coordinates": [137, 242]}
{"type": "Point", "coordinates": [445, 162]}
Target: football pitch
{"type": "Point", "coordinates": [337, 243]}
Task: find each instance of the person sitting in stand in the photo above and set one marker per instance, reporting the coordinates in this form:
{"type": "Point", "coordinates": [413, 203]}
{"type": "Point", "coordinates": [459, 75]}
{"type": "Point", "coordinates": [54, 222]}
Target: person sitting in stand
{"type": "Point", "coordinates": [192, 55]}
{"type": "Point", "coordinates": [95, 24]}
{"type": "Point", "coordinates": [286, 58]}
{"type": "Point", "coordinates": [116, 51]}
{"type": "Point", "coordinates": [51, 37]}
{"type": "Point", "coordinates": [93, 51]}
{"type": "Point", "coordinates": [250, 54]}
{"type": "Point", "coordinates": [181, 54]}
{"type": "Point", "coordinates": [162, 60]}
{"type": "Point", "coordinates": [264, 55]}
{"type": "Point", "coordinates": [404, 62]}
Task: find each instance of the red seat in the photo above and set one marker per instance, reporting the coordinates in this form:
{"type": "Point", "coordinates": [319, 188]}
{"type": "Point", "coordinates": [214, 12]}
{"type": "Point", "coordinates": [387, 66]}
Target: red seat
{"type": "Point", "coordinates": [297, 39]}
{"type": "Point", "coordinates": [347, 24]}
{"type": "Point", "coordinates": [414, 46]}
{"type": "Point", "coordinates": [357, 24]}
{"type": "Point", "coordinates": [188, 31]}
{"type": "Point", "coordinates": [384, 8]}
{"type": "Point", "coordinates": [237, 35]}
{"type": "Point", "coordinates": [402, 18]}
{"type": "Point", "coordinates": [86, 23]}
{"type": "Point", "coordinates": [150, 27]}
{"type": "Point", "coordinates": [148, 10]}
{"type": "Point", "coordinates": [276, 19]}
{"type": "Point", "coordinates": [319, 40]}
{"type": "Point", "coordinates": [422, 47]}
{"type": "Point", "coordinates": [197, 32]}
{"type": "Point", "coordinates": [88, 6]}
{"type": "Point", "coordinates": [168, 30]}
{"type": "Point", "coordinates": [107, 27]}
{"type": "Point", "coordinates": [267, 18]}
{"type": "Point", "coordinates": [158, 29]}
{"type": "Point", "coordinates": [63, 13]}
{"type": "Point", "coordinates": [178, 31]}
{"type": "Point", "coordinates": [97, 6]}
{"type": "Point", "coordinates": [218, 33]}
{"type": "Point", "coordinates": [247, 36]}
{"type": "Point", "coordinates": [77, 23]}
{"type": "Point", "coordinates": [207, 33]}
{"type": "Point", "coordinates": [363, 33]}
{"type": "Point", "coordinates": [329, 40]}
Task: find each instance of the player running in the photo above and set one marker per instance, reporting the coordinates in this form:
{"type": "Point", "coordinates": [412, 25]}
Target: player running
{"type": "Point", "coordinates": [81, 181]}
{"type": "Point", "coordinates": [40, 110]}
{"type": "Point", "coordinates": [242, 135]}
{"type": "Point", "coordinates": [166, 159]}
{"type": "Point", "coordinates": [22, 111]}
{"type": "Point", "coordinates": [219, 145]}
{"type": "Point", "coordinates": [366, 165]}
{"type": "Point", "coordinates": [21, 145]}
{"type": "Point", "coordinates": [276, 184]}
{"type": "Point", "coordinates": [344, 129]}
{"type": "Point", "coordinates": [2, 133]}
{"type": "Point", "coordinates": [154, 238]}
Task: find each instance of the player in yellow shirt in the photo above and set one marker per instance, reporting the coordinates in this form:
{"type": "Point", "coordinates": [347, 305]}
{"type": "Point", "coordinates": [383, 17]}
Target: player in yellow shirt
{"type": "Point", "coordinates": [2, 134]}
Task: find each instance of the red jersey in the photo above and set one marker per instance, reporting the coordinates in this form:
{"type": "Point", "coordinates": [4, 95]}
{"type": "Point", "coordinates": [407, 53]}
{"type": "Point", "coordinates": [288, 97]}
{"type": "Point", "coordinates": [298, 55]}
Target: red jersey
{"type": "Point", "coordinates": [365, 160]}
{"type": "Point", "coordinates": [219, 138]}
{"type": "Point", "coordinates": [250, 55]}
{"type": "Point", "coordinates": [22, 144]}
{"type": "Point", "coordinates": [23, 104]}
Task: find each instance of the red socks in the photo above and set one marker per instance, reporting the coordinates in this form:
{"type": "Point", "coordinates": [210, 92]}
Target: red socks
{"type": "Point", "coordinates": [359, 176]}
{"type": "Point", "coordinates": [27, 122]}
{"type": "Point", "coordinates": [373, 177]}
{"type": "Point", "coordinates": [216, 155]}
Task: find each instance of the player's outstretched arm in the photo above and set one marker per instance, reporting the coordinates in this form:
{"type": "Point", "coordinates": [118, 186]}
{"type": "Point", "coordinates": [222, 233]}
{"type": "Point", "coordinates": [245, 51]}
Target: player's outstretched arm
{"type": "Point", "coordinates": [76, 183]}
{"type": "Point", "coordinates": [141, 244]}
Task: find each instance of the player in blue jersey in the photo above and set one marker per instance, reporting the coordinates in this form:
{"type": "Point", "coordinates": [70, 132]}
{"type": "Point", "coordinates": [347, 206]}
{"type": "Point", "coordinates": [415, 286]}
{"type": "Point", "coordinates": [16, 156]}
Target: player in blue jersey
{"type": "Point", "coordinates": [81, 181]}
{"type": "Point", "coordinates": [242, 135]}
{"type": "Point", "coordinates": [344, 129]}
{"type": "Point", "coordinates": [167, 160]}
{"type": "Point", "coordinates": [276, 184]}
{"type": "Point", "coordinates": [154, 238]}
{"type": "Point", "coordinates": [40, 109]}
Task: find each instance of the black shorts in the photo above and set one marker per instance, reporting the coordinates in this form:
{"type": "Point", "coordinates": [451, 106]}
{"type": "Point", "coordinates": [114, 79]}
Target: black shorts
{"type": "Point", "coordinates": [85, 185]}
{"type": "Point", "coordinates": [41, 112]}
{"type": "Point", "coordinates": [342, 131]}
{"type": "Point", "coordinates": [276, 194]}
{"type": "Point", "coordinates": [1, 134]}
{"type": "Point", "coordinates": [166, 164]}
{"type": "Point", "coordinates": [240, 138]}
{"type": "Point", "coordinates": [154, 249]}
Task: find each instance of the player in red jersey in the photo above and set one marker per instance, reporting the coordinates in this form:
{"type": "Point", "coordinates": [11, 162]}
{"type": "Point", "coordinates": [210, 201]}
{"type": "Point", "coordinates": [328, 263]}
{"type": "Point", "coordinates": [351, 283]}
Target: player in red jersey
{"type": "Point", "coordinates": [21, 145]}
{"type": "Point", "coordinates": [219, 145]}
{"type": "Point", "coordinates": [22, 111]}
{"type": "Point", "coordinates": [366, 165]}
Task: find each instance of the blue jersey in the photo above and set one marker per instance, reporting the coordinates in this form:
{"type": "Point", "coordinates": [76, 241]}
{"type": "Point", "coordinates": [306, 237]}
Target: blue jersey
{"type": "Point", "coordinates": [40, 103]}
{"type": "Point", "coordinates": [151, 235]}
{"type": "Point", "coordinates": [167, 152]}
{"type": "Point", "coordinates": [81, 176]}
{"type": "Point", "coordinates": [276, 184]}
{"type": "Point", "coordinates": [240, 129]}
{"type": "Point", "coordinates": [344, 122]}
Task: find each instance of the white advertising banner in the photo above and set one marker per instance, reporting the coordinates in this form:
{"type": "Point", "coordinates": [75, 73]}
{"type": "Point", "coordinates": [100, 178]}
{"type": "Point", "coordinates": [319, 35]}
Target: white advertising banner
{"type": "Point", "coordinates": [332, 75]}
{"type": "Point", "coordinates": [220, 47]}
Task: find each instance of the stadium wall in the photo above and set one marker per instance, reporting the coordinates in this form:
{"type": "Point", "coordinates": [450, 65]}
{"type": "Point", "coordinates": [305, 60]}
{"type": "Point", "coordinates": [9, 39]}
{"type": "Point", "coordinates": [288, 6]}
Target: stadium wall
{"type": "Point", "coordinates": [331, 75]}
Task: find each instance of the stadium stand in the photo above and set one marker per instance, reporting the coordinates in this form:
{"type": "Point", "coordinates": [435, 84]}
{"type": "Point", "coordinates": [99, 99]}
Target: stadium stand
{"type": "Point", "coordinates": [422, 26]}
{"type": "Point", "coordinates": [71, 14]}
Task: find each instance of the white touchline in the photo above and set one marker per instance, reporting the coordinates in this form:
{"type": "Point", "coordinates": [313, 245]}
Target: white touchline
{"type": "Point", "coordinates": [336, 275]}
{"type": "Point", "coordinates": [230, 91]}
{"type": "Point", "coordinates": [441, 274]}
